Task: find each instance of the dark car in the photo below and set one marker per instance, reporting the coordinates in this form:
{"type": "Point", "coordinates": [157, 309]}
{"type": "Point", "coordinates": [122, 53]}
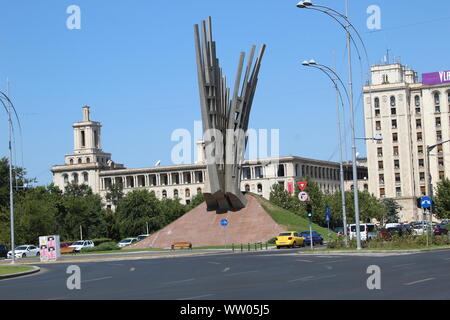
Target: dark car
{"type": "Point", "coordinates": [317, 238]}
{"type": "Point", "coordinates": [3, 251]}
{"type": "Point", "coordinates": [439, 230]}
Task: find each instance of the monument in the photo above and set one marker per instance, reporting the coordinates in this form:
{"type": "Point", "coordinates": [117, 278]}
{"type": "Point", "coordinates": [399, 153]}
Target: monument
{"type": "Point", "coordinates": [225, 120]}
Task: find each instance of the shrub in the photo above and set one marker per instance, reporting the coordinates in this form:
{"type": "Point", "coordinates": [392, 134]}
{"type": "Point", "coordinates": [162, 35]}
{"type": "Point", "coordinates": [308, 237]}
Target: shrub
{"type": "Point", "coordinates": [99, 241]}
{"type": "Point", "coordinates": [105, 246]}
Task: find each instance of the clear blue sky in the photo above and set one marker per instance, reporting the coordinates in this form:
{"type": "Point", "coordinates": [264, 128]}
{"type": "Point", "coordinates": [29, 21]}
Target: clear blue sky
{"type": "Point", "coordinates": [133, 62]}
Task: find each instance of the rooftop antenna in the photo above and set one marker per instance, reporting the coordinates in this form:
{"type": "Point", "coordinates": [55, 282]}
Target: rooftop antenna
{"type": "Point", "coordinates": [386, 57]}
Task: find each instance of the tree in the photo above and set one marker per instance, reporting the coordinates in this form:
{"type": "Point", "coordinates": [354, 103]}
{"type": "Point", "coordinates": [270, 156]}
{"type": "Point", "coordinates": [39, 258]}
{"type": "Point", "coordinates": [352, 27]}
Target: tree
{"type": "Point", "coordinates": [115, 193]}
{"type": "Point", "coordinates": [442, 199]}
{"type": "Point", "coordinates": [392, 210]}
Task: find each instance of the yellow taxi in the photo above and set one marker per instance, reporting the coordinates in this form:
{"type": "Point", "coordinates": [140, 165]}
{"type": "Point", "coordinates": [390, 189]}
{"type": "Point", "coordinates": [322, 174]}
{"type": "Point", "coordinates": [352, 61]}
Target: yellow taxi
{"type": "Point", "coordinates": [290, 239]}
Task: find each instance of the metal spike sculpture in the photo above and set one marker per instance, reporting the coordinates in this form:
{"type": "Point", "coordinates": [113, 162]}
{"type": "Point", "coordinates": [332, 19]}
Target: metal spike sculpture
{"type": "Point", "coordinates": [225, 120]}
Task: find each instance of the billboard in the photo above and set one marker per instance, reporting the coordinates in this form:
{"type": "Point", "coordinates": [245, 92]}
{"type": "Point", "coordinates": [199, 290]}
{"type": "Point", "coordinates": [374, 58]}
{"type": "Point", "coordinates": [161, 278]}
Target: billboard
{"type": "Point", "coordinates": [436, 78]}
{"type": "Point", "coordinates": [49, 248]}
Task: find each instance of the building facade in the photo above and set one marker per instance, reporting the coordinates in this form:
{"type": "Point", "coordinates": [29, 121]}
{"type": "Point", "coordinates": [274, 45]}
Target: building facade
{"type": "Point", "coordinates": [410, 115]}
{"type": "Point", "coordinates": [88, 164]}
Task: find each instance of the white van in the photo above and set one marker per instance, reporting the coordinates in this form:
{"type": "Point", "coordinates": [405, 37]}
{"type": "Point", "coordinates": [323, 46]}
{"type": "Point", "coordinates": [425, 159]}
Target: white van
{"type": "Point", "coordinates": [392, 225]}
{"type": "Point", "coordinates": [368, 231]}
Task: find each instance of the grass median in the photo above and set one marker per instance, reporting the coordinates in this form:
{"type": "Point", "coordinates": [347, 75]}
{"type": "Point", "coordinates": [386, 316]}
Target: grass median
{"type": "Point", "coordinates": [8, 270]}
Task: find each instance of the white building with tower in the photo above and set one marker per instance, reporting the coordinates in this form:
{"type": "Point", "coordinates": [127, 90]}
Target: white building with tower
{"type": "Point", "coordinates": [89, 165]}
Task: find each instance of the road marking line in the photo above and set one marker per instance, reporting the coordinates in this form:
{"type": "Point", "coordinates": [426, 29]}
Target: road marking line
{"type": "Point", "coordinates": [98, 279]}
{"type": "Point", "coordinates": [418, 281]}
{"type": "Point", "coordinates": [211, 262]}
{"type": "Point", "coordinates": [195, 298]}
{"type": "Point", "coordinates": [447, 259]}
{"type": "Point", "coordinates": [327, 262]}
{"type": "Point", "coordinates": [238, 273]}
{"type": "Point", "coordinates": [226, 269]}
{"type": "Point", "coordinates": [302, 279]}
{"type": "Point", "coordinates": [403, 265]}
{"type": "Point", "coordinates": [179, 281]}
{"type": "Point", "coordinates": [304, 260]}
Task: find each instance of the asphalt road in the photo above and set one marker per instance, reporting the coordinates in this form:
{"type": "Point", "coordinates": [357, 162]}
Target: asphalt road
{"type": "Point", "coordinates": [270, 275]}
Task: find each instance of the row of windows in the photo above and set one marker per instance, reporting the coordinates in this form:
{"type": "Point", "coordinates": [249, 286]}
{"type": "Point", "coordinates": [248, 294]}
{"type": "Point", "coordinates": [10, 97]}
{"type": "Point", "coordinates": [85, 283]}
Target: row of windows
{"type": "Point", "coordinates": [162, 179]}
{"type": "Point", "coordinates": [86, 160]}
{"type": "Point", "coordinates": [75, 178]}
{"type": "Point", "coordinates": [417, 103]}
{"type": "Point", "coordinates": [306, 171]}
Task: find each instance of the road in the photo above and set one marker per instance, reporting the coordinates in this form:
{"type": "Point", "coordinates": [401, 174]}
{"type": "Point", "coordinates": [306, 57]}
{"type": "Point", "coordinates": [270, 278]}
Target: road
{"type": "Point", "coordinates": [266, 275]}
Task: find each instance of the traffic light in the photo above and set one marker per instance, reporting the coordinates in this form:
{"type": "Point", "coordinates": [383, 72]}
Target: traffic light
{"type": "Point", "coordinates": [309, 210]}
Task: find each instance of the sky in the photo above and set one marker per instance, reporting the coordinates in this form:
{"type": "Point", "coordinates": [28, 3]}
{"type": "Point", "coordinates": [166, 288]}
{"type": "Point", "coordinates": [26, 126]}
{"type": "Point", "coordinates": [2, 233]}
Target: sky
{"type": "Point", "coordinates": [134, 63]}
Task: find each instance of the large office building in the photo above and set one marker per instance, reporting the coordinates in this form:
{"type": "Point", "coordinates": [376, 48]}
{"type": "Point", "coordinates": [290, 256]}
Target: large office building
{"type": "Point", "coordinates": [89, 165]}
{"type": "Point", "coordinates": [410, 115]}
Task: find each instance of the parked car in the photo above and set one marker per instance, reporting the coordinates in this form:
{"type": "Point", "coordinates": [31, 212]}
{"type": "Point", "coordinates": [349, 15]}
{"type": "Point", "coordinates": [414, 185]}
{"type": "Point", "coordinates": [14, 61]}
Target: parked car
{"type": "Point", "coordinates": [290, 239]}
{"type": "Point", "coordinates": [142, 236]}
{"type": "Point", "coordinates": [391, 225]}
{"type": "Point", "coordinates": [444, 222]}
{"type": "Point", "coordinates": [317, 238]}
{"type": "Point", "coordinates": [339, 230]}
{"type": "Point", "coordinates": [439, 230]}
{"type": "Point", "coordinates": [66, 247]}
{"type": "Point", "coordinates": [24, 251]}
{"type": "Point", "coordinates": [3, 251]}
{"type": "Point", "coordinates": [367, 231]}
{"type": "Point", "coordinates": [126, 242]}
{"type": "Point", "coordinates": [82, 244]}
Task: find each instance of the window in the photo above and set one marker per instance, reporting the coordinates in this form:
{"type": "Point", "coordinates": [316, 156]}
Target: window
{"type": "Point", "coordinates": [199, 190]}
{"type": "Point", "coordinates": [423, 190]}
{"type": "Point", "coordinates": [377, 102]}
{"type": "Point", "coordinates": [438, 122]}
{"type": "Point", "coordinates": [437, 98]}
{"type": "Point", "coordinates": [380, 152]}
{"type": "Point", "coordinates": [71, 161]}
{"type": "Point", "coordinates": [395, 137]}
{"type": "Point", "coordinates": [380, 165]}
{"type": "Point", "coordinates": [86, 177]}
{"type": "Point", "coordinates": [417, 100]}
{"type": "Point", "coordinates": [88, 160]}
{"type": "Point", "coordinates": [418, 124]}
{"type": "Point", "coordinates": [382, 192]}
{"type": "Point", "coordinates": [259, 172]}
{"type": "Point", "coordinates": [281, 170]}
{"type": "Point", "coordinates": [437, 109]}
{"type": "Point", "coordinates": [246, 172]}
{"type": "Point", "coordinates": [187, 193]}
{"type": "Point", "coordinates": [396, 164]}
{"type": "Point", "coordinates": [393, 102]}
{"type": "Point", "coordinates": [381, 178]}
{"type": "Point", "coordinates": [419, 136]}
{"type": "Point", "coordinates": [438, 135]}
{"type": "Point", "coordinates": [393, 111]}
{"type": "Point", "coordinates": [83, 139]}
{"type": "Point", "coordinates": [175, 193]}
{"type": "Point", "coordinates": [75, 177]}
{"type": "Point", "coordinates": [420, 149]}
{"type": "Point", "coordinates": [398, 191]}
{"type": "Point", "coordinates": [164, 194]}
{"type": "Point", "coordinates": [396, 151]}
{"type": "Point", "coordinates": [417, 110]}
{"type": "Point", "coordinates": [422, 176]}
{"type": "Point", "coordinates": [247, 188]}
{"type": "Point", "coordinates": [397, 178]}
{"type": "Point", "coordinates": [378, 125]}
{"type": "Point", "coordinates": [80, 161]}
{"type": "Point", "coordinates": [394, 124]}
{"type": "Point", "coordinates": [66, 179]}
{"type": "Point", "coordinates": [441, 161]}
{"type": "Point", "coordinates": [260, 188]}
{"type": "Point", "coordinates": [421, 163]}
{"type": "Point", "coordinates": [377, 112]}
{"type": "Point", "coordinates": [441, 175]}
{"type": "Point", "coordinates": [440, 149]}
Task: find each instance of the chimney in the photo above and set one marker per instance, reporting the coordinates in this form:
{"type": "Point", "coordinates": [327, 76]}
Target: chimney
{"type": "Point", "coordinates": [86, 114]}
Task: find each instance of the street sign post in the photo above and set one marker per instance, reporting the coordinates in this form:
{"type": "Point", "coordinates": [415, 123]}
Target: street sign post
{"type": "Point", "coordinates": [302, 185]}
{"type": "Point", "coordinates": [426, 203]}
{"type": "Point", "coordinates": [328, 219]}
{"type": "Point", "coordinates": [303, 196]}
{"type": "Point", "coordinates": [224, 223]}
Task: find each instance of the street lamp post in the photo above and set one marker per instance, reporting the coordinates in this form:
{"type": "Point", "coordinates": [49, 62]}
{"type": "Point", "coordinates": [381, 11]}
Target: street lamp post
{"type": "Point", "coordinates": [11, 194]}
{"type": "Point", "coordinates": [335, 15]}
{"type": "Point", "coordinates": [430, 182]}
{"type": "Point", "coordinates": [327, 71]}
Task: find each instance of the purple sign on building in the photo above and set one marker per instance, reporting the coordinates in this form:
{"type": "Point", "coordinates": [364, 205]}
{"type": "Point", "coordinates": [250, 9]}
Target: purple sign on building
{"type": "Point", "coordinates": [436, 78]}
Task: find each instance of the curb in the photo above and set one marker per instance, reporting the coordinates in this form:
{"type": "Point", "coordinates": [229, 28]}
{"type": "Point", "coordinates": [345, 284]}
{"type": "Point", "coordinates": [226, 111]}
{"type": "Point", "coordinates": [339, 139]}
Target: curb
{"type": "Point", "coordinates": [362, 252]}
{"type": "Point", "coordinates": [19, 274]}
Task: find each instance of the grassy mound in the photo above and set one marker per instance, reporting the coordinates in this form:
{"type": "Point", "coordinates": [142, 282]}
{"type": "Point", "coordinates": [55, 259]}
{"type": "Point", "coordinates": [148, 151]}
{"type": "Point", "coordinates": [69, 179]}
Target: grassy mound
{"type": "Point", "coordinates": [290, 220]}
